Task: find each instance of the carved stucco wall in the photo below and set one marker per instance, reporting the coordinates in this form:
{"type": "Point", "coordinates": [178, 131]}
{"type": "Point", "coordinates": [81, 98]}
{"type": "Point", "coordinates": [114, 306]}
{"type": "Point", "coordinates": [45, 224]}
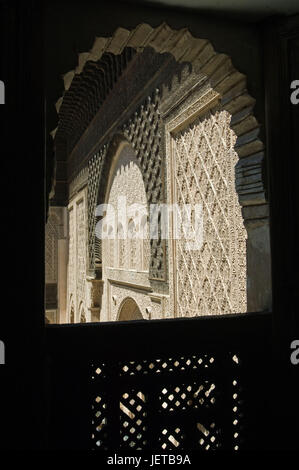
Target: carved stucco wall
{"type": "Point", "coordinates": [51, 266]}
{"type": "Point", "coordinates": [81, 251]}
{"type": "Point", "coordinates": [78, 288]}
{"type": "Point", "coordinates": [95, 166]}
{"type": "Point", "coordinates": [71, 272]}
{"type": "Point", "coordinates": [55, 264]}
{"type": "Point", "coordinates": [210, 279]}
{"type": "Point", "coordinates": [126, 262]}
{"type": "Point", "coordinates": [83, 292]}
{"type": "Point", "coordinates": [145, 130]}
{"type": "Point", "coordinates": [127, 185]}
{"type": "Point", "coordinates": [51, 238]}
{"type": "Point", "coordinates": [201, 162]}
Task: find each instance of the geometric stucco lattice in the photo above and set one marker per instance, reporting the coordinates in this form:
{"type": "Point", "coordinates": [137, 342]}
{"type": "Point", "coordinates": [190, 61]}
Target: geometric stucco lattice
{"type": "Point", "coordinates": [81, 253]}
{"type": "Point", "coordinates": [143, 131]}
{"type": "Point", "coordinates": [212, 279]}
{"type": "Point", "coordinates": [71, 281]}
{"type": "Point", "coordinates": [95, 166]}
{"type": "Point", "coordinates": [51, 261]}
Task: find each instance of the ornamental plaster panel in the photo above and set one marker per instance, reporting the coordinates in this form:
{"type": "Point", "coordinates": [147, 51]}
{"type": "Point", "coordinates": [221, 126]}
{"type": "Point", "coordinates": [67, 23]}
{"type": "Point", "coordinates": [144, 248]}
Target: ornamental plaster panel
{"type": "Point", "coordinates": [77, 290]}
{"type": "Point", "coordinates": [95, 166]}
{"type": "Point", "coordinates": [201, 159]}
{"type": "Point", "coordinates": [122, 253]}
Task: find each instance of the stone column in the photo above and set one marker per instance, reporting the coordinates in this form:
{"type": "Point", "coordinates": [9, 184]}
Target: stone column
{"type": "Point", "coordinates": [95, 298]}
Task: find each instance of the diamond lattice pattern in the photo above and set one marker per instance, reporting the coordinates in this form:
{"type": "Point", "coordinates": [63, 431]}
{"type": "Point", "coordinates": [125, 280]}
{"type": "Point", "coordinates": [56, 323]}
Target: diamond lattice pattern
{"type": "Point", "coordinates": [133, 420]}
{"type": "Point", "coordinates": [177, 403]}
{"type": "Point", "coordinates": [211, 279]}
{"type": "Point", "coordinates": [51, 251]}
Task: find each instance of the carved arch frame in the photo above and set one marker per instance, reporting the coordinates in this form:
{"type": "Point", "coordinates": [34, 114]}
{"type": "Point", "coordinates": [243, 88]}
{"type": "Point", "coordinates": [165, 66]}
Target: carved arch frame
{"type": "Point", "coordinates": [124, 303]}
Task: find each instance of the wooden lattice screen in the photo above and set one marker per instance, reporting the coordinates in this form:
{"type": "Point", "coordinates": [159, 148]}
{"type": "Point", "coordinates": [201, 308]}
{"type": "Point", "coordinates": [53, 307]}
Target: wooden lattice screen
{"type": "Point", "coordinates": [165, 385]}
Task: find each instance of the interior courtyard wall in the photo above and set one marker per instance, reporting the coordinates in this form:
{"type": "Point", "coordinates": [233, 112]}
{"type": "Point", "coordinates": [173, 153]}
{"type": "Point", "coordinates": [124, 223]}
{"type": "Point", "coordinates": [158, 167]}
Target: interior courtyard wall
{"type": "Point", "coordinates": [201, 159]}
{"type": "Point", "coordinates": [126, 272]}
{"type": "Point", "coordinates": [138, 130]}
{"type": "Point", "coordinates": [78, 293]}
{"type": "Point", "coordinates": [56, 252]}
{"type": "Point", "coordinates": [220, 282]}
